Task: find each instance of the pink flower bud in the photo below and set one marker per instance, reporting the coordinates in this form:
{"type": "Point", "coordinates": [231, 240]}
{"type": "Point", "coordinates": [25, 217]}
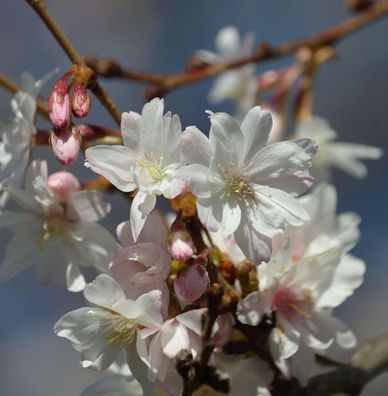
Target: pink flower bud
{"type": "Point", "coordinates": [66, 144]}
{"type": "Point", "coordinates": [59, 105]}
{"type": "Point", "coordinates": [180, 246]}
{"type": "Point", "coordinates": [63, 185]}
{"type": "Point", "coordinates": [80, 101]}
{"type": "Point", "coordinates": [191, 283]}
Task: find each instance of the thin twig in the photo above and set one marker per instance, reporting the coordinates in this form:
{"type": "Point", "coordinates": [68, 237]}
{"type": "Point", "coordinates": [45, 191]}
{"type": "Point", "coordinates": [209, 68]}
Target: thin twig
{"type": "Point", "coordinates": [163, 83]}
{"type": "Point", "coordinates": [12, 87]}
{"type": "Point", "coordinates": [74, 56]}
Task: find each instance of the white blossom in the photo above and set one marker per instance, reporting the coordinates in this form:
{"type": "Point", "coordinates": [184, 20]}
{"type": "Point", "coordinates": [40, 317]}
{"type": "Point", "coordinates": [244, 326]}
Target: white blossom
{"type": "Point", "coordinates": [240, 84]}
{"type": "Point", "coordinates": [15, 137]}
{"type": "Point", "coordinates": [149, 160]}
{"type": "Point", "coordinates": [58, 236]}
{"type": "Point", "coordinates": [301, 295]}
{"type": "Point", "coordinates": [114, 323]}
{"type": "Point", "coordinates": [345, 156]}
{"type": "Point", "coordinates": [244, 187]}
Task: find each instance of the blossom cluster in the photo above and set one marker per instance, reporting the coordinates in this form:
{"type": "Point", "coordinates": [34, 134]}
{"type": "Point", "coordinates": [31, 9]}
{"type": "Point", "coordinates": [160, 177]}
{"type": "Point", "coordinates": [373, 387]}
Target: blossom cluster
{"type": "Point", "coordinates": [254, 246]}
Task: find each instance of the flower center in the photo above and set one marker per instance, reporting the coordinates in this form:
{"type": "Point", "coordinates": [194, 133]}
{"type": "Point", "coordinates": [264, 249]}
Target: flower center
{"type": "Point", "coordinates": [154, 168]}
{"type": "Point", "coordinates": [240, 187]}
{"type": "Point", "coordinates": [291, 303]}
{"type": "Point", "coordinates": [54, 225]}
{"type": "Point", "coordinates": [121, 329]}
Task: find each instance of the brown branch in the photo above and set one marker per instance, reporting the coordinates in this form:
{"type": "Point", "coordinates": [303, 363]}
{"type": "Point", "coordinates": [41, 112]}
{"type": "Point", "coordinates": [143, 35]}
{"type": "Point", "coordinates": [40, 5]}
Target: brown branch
{"type": "Point", "coordinates": [367, 363]}
{"type": "Point", "coordinates": [12, 87]}
{"type": "Point", "coordinates": [74, 56]}
{"type": "Point", "coordinates": [164, 83]}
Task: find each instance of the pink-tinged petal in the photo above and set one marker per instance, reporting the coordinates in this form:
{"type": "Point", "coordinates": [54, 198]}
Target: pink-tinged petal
{"type": "Point", "coordinates": [196, 146]}
{"type": "Point", "coordinates": [87, 205]}
{"type": "Point", "coordinates": [131, 130]}
{"type": "Point", "coordinates": [142, 205]}
{"type": "Point", "coordinates": [104, 291]}
{"type": "Point", "coordinates": [151, 303]}
{"type": "Point", "coordinates": [154, 230]}
{"type": "Point", "coordinates": [114, 163]}
{"type": "Point", "coordinates": [256, 126]}
{"type": "Point", "coordinates": [66, 144]}
{"type": "Point", "coordinates": [63, 185]}
{"type": "Point", "coordinates": [191, 283]}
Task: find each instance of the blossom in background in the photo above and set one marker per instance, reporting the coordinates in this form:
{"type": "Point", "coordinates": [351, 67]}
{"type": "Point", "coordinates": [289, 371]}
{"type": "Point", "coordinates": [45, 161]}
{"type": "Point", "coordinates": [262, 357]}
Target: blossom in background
{"type": "Point", "coordinates": [100, 332]}
{"type": "Point", "coordinates": [301, 295]}
{"type": "Point", "coordinates": [15, 138]}
{"type": "Point", "coordinates": [331, 153]}
{"type": "Point", "coordinates": [244, 187]}
{"type": "Point", "coordinates": [150, 159]}
{"type": "Point", "coordinates": [57, 229]}
{"type": "Point", "coordinates": [119, 385]}
{"type": "Point", "coordinates": [144, 265]}
{"type": "Point", "coordinates": [239, 84]}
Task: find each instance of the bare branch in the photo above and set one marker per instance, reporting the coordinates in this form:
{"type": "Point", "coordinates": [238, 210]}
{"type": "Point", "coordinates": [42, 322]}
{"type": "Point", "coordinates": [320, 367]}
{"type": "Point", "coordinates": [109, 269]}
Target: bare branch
{"type": "Point", "coordinates": [163, 83]}
{"type": "Point", "coordinates": [74, 56]}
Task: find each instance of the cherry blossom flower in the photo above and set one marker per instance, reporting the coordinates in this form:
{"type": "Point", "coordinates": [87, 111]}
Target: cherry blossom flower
{"type": "Point", "coordinates": [345, 156]}
{"type": "Point", "coordinates": [244, 187]}
{"type": "Point", "coordinates": [15, 138]}
{"type": "Point", "coordinates": [184, 332]}
{"type": "Point", "coordinates": [100, 332]}
{"type": "Point", "coordinates": [301, 296]}
{"type": "Point", "coordinates": [149, 160]}
{"type": "Point", "coordinates": [240, 84]}
{"type": "Point", "coordinates": [57, 229]}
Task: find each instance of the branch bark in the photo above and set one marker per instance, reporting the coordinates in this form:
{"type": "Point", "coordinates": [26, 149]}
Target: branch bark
{"type": "Point", "coordinates": [164, 83]}
{"type": "Point", "coordinates": [74, 56]}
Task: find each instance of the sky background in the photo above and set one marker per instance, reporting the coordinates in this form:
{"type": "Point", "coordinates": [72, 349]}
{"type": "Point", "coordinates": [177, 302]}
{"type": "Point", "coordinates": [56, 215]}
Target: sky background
{"type": "Point", "coordinates": [159, 36]}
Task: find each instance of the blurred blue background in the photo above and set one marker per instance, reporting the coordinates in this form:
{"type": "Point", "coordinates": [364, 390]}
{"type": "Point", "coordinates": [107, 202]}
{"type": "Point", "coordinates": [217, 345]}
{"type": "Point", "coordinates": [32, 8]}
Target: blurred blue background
{"type": "Point", "coordinates": [159, 36]}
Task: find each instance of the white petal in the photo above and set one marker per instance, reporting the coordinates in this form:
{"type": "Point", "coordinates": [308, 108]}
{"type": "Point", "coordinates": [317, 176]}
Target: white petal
{"type": "Point", "coordinates": [202, 181]}
{"type": "Point", "coordinates": [196, 146]}
{"type": "Point", "coordinates": [74, 279]}
{"type": "Point", "coordinates": [256, 247]}
{"type": "Point", "coordinates": [228, 42]}
{"type": "Point", "coordinates": [114, 385]}
{"type": "Point", "coordinates": [192, 320]}
{"type": "Point", "coordinates": [231, 216]}
{"type": "Point", "coordinates": [348, 276]}
{"type": "Point", "coordinates": [228, 138]}
{"type": "Point", "coordinates": [142, 205]}
{"type": "Point", "coordinates": [346, 156]}
{"type": "Point", "coordinates": [283, 165]}
{"type": "Point", "coordinates": [104, 291]}
{"type": "Point", "coordinates": [113, 162]}
{"type": "Point", "coordinates": [87, 205]}
{"type": "Point", "coordinates": [252, 308]}
{"type": "Point", "coordinates": [131, 130]}
{"type": "Point", "coordinates": [256, 126]}
{"type": "Point", "coordinates": [20, 253]}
